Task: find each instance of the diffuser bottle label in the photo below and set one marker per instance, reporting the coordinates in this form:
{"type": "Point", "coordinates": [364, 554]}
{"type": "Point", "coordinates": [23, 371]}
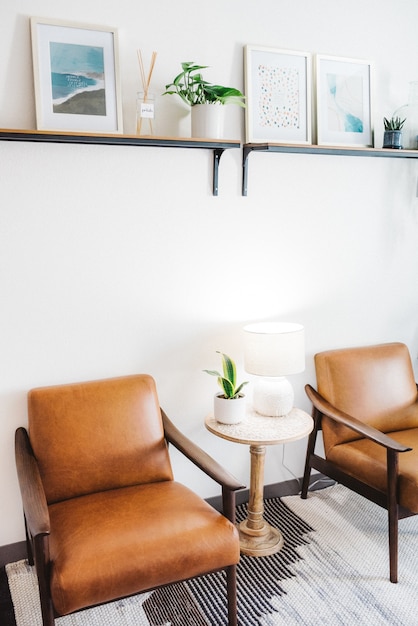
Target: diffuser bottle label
{"type": "Point", "coordinates": [145, 114]}
{"type": "Point", "coordinates": [147, 110]}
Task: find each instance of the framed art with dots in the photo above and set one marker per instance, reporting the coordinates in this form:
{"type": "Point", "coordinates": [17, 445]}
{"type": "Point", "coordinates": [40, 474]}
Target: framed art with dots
{"type": "Point", "coordinates": [278, 89]}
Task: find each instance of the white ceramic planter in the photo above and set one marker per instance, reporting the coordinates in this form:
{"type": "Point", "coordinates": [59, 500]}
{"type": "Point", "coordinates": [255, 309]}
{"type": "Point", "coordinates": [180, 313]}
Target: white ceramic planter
{"type": "Point", "coordinates": [208, 121]}
{"type": "Point", "coordinates": [229, 411]}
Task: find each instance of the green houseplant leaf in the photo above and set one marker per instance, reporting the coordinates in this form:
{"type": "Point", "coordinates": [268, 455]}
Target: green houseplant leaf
{"type": "Point", "coordinates": [395, 123]}
{"type": "Point", "coordinates": [227, 381]}
{"type": "Point", "coordinates": [190, 86]}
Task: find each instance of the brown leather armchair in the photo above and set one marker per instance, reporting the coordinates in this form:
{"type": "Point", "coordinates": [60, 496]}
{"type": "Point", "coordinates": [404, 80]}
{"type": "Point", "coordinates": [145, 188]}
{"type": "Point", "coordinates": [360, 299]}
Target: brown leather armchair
{"type": "Point", "coordinates": [104, 517]}
{"type": "Point", "coordinates": [367, 407]}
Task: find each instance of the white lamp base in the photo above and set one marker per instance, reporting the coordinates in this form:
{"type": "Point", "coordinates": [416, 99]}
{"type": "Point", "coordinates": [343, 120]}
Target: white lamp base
{"type": "Point", "coordinates": [273, 396]}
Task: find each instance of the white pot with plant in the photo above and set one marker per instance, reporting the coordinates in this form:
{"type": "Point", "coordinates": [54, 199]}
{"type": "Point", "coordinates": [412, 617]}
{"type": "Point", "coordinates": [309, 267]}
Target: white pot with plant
{"type": "Point", "coordinates": [205, 99]}
{"type": "Point", "coordinates": [230, 405]}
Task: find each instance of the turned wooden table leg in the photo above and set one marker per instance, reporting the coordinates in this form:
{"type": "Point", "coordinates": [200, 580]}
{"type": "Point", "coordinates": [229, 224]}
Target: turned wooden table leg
{"type": "Point", "coordinates": [257, 537]}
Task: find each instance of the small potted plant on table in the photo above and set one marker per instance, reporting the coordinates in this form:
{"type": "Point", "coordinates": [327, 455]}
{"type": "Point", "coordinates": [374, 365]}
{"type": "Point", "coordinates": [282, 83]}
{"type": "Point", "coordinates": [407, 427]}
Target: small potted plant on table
{"type": "Point", "coordinates": [392, 137]}
{"type": "Point", "coordinates": [230, 405]}
{"type": "Point", "coordinates": [205, 99]}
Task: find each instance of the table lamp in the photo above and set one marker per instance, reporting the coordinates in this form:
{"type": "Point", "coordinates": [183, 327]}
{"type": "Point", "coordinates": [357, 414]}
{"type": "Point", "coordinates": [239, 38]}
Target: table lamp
{"type": "Point", "coordinates": [273, 350]}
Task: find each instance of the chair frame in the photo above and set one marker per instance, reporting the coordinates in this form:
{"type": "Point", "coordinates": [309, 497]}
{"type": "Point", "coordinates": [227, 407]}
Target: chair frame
{"type": "Point", "coordinates": [36, 515]}
{"type": "Point", "coordinates": [386, 499]}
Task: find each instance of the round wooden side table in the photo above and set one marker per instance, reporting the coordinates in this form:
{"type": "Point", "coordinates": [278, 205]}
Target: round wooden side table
{"type": "Point", "coordinates": [257, 537]}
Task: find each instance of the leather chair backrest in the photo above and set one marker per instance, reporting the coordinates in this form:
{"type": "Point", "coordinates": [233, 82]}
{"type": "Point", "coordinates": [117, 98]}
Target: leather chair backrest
{"type": "Point", "coordinates": [94, 436]}
{"type": "Point", "coordinates": [375, 384]}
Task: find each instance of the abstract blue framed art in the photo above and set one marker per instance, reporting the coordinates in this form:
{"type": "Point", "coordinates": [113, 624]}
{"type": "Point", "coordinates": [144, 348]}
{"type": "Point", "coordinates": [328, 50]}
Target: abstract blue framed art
{"type": "Point", "coordinates": [343, 102]}
{"type": "Point", "coordinates": [76, 76]}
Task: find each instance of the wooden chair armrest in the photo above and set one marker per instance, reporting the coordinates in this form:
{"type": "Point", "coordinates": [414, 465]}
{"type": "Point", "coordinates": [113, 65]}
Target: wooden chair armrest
{"type": "Point", "coordinates": [327, 409]}
{"type": "Point", "coordinates": [199, 457]}
{"type": "Point", "coordinates": [33, 496]}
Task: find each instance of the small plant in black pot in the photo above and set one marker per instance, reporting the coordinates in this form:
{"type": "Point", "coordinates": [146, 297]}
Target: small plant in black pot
{"type": "Point", "coordinates": [392, 137]}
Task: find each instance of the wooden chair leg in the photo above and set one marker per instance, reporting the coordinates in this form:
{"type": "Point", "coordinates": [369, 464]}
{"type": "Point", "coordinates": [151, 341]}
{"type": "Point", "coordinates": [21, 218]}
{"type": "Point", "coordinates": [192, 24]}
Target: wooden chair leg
{"type": "Point", "coordinates": [41, 553]}
{"type": "Point", "coordinates": [393, 547]}
{"type": "Point", "coordinates": [307, 473]}
{"type": "Point", "coordinates": [392, 464]}
{"type": "Point", "coordinates": [305, 481]}
{"type": "Point", "coordinates": [231, 589]}
{"type": "Point", "coordinates": [29, 551]}
{"type": "Point", "coordinates": [47, 614]}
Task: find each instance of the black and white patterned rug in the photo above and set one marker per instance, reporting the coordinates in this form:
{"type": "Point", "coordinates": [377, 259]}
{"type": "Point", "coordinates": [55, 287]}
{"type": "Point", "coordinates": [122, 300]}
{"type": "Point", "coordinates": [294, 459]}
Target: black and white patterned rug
{"type": "Point", "coordinates": [332, 570]}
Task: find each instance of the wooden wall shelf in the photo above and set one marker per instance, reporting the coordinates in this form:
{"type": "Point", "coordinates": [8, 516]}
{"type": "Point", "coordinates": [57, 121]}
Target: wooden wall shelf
{"type": "Point", "coordinates": [311, 149]}
{"type": "Point", "coordinates": [217, 145]}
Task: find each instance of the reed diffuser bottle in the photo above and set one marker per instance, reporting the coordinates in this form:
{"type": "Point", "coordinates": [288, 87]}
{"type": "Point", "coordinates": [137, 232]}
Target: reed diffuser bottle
{"type": "Point", "coordinates": [145, 101]}
{"type": "Point", "coordinates": [145, 114]}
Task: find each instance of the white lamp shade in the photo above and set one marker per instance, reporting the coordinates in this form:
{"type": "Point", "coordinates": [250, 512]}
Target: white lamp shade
{"type": "Point", "coordinates": [274, 348]}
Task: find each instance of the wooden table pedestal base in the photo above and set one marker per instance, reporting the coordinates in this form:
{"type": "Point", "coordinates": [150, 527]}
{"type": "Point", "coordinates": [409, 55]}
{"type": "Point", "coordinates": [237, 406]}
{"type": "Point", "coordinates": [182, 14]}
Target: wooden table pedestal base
{"type": "Point", "coordinates": [257, 537]}
{"type": "Point", "coordinates": [267, 540]}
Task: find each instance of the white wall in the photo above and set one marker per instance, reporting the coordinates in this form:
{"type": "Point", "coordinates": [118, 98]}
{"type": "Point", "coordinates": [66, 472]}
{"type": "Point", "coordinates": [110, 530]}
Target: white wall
{"type": "Point", "coordinates": [118, 260]}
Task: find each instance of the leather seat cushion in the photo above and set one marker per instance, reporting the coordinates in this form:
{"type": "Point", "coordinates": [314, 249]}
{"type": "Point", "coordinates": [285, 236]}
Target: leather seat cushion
{"type": "Point", "coordinates": [365, 460]}
{"type": "Point", "coordinates": [120, 542]}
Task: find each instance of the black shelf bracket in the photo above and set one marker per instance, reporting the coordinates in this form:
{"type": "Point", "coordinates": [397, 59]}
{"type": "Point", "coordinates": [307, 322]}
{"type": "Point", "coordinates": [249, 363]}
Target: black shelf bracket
{"type": "Point", "coordinates": [245, 154]}
{"type": "Point", "coordinates": [314, 149]}
{"type": "Point", "coordinates": [217, 153]}
{"type": "Point", "coordinates": [217, 145]}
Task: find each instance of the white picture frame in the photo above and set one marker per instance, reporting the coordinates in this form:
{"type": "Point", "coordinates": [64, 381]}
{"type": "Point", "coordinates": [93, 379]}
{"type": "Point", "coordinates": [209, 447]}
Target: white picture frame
{"type": "Point", "coordinates": [76, 77]}
{"type": "Point", "coordinates": [343, 101]}
{"type": "Point", "coordinates": [278, 86]}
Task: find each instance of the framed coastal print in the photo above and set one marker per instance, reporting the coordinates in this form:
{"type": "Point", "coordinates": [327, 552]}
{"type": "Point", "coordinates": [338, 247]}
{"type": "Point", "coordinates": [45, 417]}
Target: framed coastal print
{"type": "Point", "coordinates": [343, 102]}
{"type": "Point", "coordinates": [76, 76]}
{"type": "Point", "coordinates": [278, 95]}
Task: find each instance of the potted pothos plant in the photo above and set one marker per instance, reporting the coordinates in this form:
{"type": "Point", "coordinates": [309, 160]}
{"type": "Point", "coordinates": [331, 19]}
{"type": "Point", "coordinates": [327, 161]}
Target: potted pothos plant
{"type": "Point", "coordinates": [230, 404]}
{"type": "Point", "coordinates": [204, 98]}
{"type": "Point", "coordinates": [392, 137]}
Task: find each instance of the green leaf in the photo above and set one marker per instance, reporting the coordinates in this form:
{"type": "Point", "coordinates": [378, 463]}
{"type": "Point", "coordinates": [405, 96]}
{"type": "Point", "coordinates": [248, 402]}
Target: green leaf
{"type": "Point", "coordinates": [239, 389]}
{"type": "Point", "coordinates": [190, 66]}
{"type": "Point", "coordinates": [227, 386]}
{"type": "Point", "coordinates": [395, 123]}
{"type": "Point", "coordinates": [178, 78]}
{"type": "Point", "coordinates": [212, 372]}
{"type": "Point", "coordinates": [229, 369]}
